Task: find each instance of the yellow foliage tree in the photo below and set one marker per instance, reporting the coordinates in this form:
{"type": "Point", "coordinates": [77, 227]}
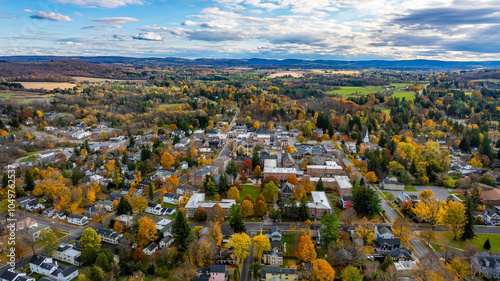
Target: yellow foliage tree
{"type": "Point", "coordinates": [234, 193]}
{"type": "Point", "coordinates": [371, 177]}
{"type": "Point", "coordinates": [261, 244]}
{"type": "Point", "coordinates": [323, 271]}
{"type": "Point", "coordinates": [167, 160]}
{"type": "Point", "coordinates": [146, 231]}
{"type": "Point", "coordinates": [366, 231]}
{"type": "Point", "coordinates": [426, 194]}
{"type": "Point", "coordinates": [430, 210]}
{"type": "Point", "coordinates": [454, 218]}
{"type": "Point", "coordinates": [306, 251]}
{"type": "Point", "coordinates": [241, 243]}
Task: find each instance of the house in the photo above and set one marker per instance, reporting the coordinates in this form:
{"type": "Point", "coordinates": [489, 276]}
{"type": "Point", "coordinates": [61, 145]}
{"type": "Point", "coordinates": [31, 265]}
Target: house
{"type": "Point", "coordinates": [198, 199]}
{"type": "Point", "coordinates": [59, 215]}
{"type": "Point", "coordinates": [78, 219]}
{"type": "Point", "coordinates": [197, 178]}
{"type": "Point", "coordinates": [344, 186]}
{"type": "Point", "coordinates": [24, 201]}
{"type": "Point", "coordinates": [34, 205]}
{"type": "Point", "coordinates": [109, 236]}
{"type": "Point", "coordinates": [399, 255]}
{"type": "Point", "coordinates": [273, 159]}
{"type": "Point", "coordinates": [169, 211]}
{"type": "Point", "coordinates": [184, 165]}
{"type": "Point", "coordinates": [273, 271]}
{"type": "Point", "coordinates": [106, 205]}
{"type": "Point", "coordinates": [161, 174]}
{"type": "Point", "coordinates": [402, 198]}
{"type": "Point", "coordinates": [48, 213]}
{"type": "Point", "coordinates": [384, 232]}
{"type": "Point", "coordinates": [26, 223]}
{"type": "Point", "coordinates": [46, 156]}
{"type": "Point", "coordinates": [164, 226]}
{"type": "Point", "coordinates": [150, 249]}
{"type": "Point", "coordinates": [272, 257]}
{"type": "Point", "coordinates": [66, 253]}
{"type": "Point", "coordinates": [391, 184]}
{"type": "Point", "coordinates": [227, 233]}
{"type": "Point", "coordinates": [153, 208]}
{"type": "Point", "coordinates": [216, 272]}
{"type": "Point", "coordinates": [344, 200]}
{"type": "Point", "coordinates": [14, 275]}
{"type": "Point", "coordinates": [81, 134]}
{"type": "Point", "coordinates": [182, 143]}
{"type": "Point", "coordinates": [166, 241]}
{"type": "Point", "coordinates": [286, 190]}
{"type": "Point", "coordinates": [487, 264]}
{"type": "Point", "coordinates": [287, 161]}
{"type": "Point", "coordinates": [244, 148]}
{"type": "Point", "coordinates": [387, 244]}
{"type": "Point", "coordinates": [178, 133]}
{"type": "Point", "coordinates": [126, 219]}
{"type": "Point", "coordinates": [47, 266]}
{"type": "Point", "coordinates": [319, 205]}
{"type": "Point", "coordinates": [222, 162]}
{"type": "Point", "coordinates": [172, 198]}
{"type": "Point", "coordinates": [274, 234]}
{"type": "Point", "coordinates": [187, 190]}
{"type": "Point", "coordinates": [489, 216]}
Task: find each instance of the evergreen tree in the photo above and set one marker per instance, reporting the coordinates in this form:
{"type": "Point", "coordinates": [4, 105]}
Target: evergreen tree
{"type": "Point", "coordinates": [29, 180]}
{"type": "Point", "coordinates": [464, 145]}
{"type": "Point", "coordinates": [236, 220]}
{"type": "Point", "coordinates": [320, 186]}
{"type": "Point", "coordinates": [382, 141]}
{"type": "Point", "coordinates": [209, 185]}
{"type": "Point", "coordinates": [123, 207]}
{"type": "Point", "coordinates": [145, 153]}
{"type": "Point", "coordinates": [330, 229]}
{"type": "Point", "coordinates": [237, 274]}
{"type": "Point", "coordinates": [255, 158]}
{"type": "Point", "coordinates": [365, 201]}
{"type": "Point", "coordinates": [387, 261]}
{"type": "Point", "coordinates": [303, 210]}
{"type": "Point", "coordinates": [469, 214]}
{"type": "Point", "coordinates": [231, 169]}
{"type": "Point", "coordinates": [223, 186]}
{"type": "Point", "coordinates": [151, 192]}
{"type": "Point", "coordinates": [5, 180]}
{"type": "Point", "coordinates": [486, 147]}
{"type": "Point", "coordinates": [181, 230]}
{"type": "Point", "coordinates": [487, 244]}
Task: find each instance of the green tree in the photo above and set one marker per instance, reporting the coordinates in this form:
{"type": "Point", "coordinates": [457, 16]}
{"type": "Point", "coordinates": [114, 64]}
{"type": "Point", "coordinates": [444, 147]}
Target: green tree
{"type": "Point", "coordinates": [209, 185]}
{"type": "Point", "coordinates": [102, 261]}
{"type": "Point", "coordinates": [237, 275]}
{"type": "Point", "coordinates": [96, 273]}
{"type": "Point", "coordinates": [386, 263]}
{"type": "Point", "coordinates": [231, 169]}
{"type": "Point", "coordinates": [30, 181]}
{"type": "Point", "coordinates": [88, 256]}
{"type": "Point", "coordinates": [303, 210]}
{"type": "Point", "coordinates": [151, 192]}
{"type": "Point", "coordinates": [223, 185]}
{"type": "Point", "coordinates": [351, 273]}
{"type": "Point", "coordinates": [90, 239]}
{"type": "Point", "coordinates": [236, 220]}
{"type": "Point", "coordinates": [255, 158]}
{"type": "Point", "coordinates": [365, 201]}
{"type": "Point", "coordinates": [320, 186]}
{"type": "Point", "coordinates": [48, 240]}
{"type": "Point", "coordinates": [330, 229]}
{"type": "Point", "coordinates": [487, 244]}
{"type": "Point", "coordinates": [5, 180]}
{"type": "Point", "coordinates": [181, 230]}
{"type": "Point", "coordinates": [471, 220]}
{"type": "Point", "coordinates": [123, 207]}
{"type": "Point", "coordinates": [270, 192]}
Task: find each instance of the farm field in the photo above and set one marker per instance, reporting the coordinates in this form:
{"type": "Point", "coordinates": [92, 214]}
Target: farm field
{"type": "Point", "coordinates": [6, 95]}
{"type": "Point", "coordinates": [286, 73]}
{"type": "Point", "coordinates": [326, 71]}
{"type": "Point", "coordinates": [408, 95]}
{"type": "Point", "coordinates": [169, 105]}
{"type": "Point", "coordinates": [93, 79]}
{"type": "Point", "coordinates": [403, 85]}
{"type": "Point", "coordinates": [47, 85]}
{"type": "Point", "coordinates": [357, 91]}
{"type": "Point", "coordinates": [24, 95]}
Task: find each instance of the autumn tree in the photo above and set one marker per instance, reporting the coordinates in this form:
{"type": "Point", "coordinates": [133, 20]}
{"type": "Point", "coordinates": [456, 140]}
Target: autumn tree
{"type": "Point", "coordinates": [323, 271]}
{"type": "Point", "coordinates": [246, 208]}
{"type": "Point", "coordinates": [241, 243]}
{"type": "Point", "coordinates": [292, 179]}
{"type": "Point", "coordinates": [365, 230]}
{"type": "Point", "coordinates": [200, 214]}
{"type": "Point", "coordinates": [431, 210]}
{"type": "Point", "coordinates": [428, 235]}
{"type": "Point", "coordinates": [216, 213]}
{"type": "Point", "coordinates": [351, 273]}
{"type": "Point", "coordinates": [454, 218]}
{"type": "Point", "coordinates": [402, 229]}
{"type": "Point", "coordinates": [139, 204]}
{"type": "Point", "coordinates": [48, 240]}
{"type": "Point", "coordinates": [348, 216]}
{"type": "Point", "coordinates": [306, 185]}
{"type": "Point", "coordinates": [257, 171]}
{"type": "Point", "coordinates": [215, 232]}
{"type": "Point", "coordinates": [260, 208]}
{"type": "Point", "coordinates": [249, 198]}
{"type": "Point", "coordinates": [261, 244]}
{"type": "Point", "coordinates": [306, 251]}
{"type": "Point", "coordinates": [425, 194]}
{"type": "Point", "coordinates": [90, 239]}
{"type": "Point", "coordinates": [118, 227]}
{"type": "Point", "coordinates": [167, 160]}
{"type": "Point", "coordinates": [460, 267]}
{"type": "Point", "coordinates": [146, 231]}
{"type": "Point", "coordinates": [270, 192]}
{"type": "Point", "coordinates": [371, 177]}
{"type": "Point", "coordinates": [256, 125]}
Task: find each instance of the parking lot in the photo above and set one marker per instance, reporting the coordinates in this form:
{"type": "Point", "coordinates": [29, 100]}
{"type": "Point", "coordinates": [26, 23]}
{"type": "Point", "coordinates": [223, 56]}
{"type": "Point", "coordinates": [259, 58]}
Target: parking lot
{"type": "Point", "coordinates": [439, 192]}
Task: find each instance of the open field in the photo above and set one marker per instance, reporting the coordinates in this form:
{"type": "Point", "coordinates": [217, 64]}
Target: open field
{"type": "Point", "coordinates": [404, 85]}
{"type": "Point", "coordinates": [169, 105]}
{"type": "Point", "coordinates": [286, 73]}
{"type": "Point", "coordinates": [6, 95]}
{"type": "Point", "coordinates": [47, 85]}
{"type": "Point", "coordinates": [92, 79]}
{"type": "Point", "coordinates": [357, 91]}
{"type": "Point", "coordinates": [408, 95]}
{"type": "Point", "coordinates": [410, 188]}
{"type": "Point", "coordinates": [24, 95]}
{"type": "Point", "coordinates": [254, 191]}
{"type": "Point", "coordinates": [447, 236]}
{"type": "Point", "coordinates": [486, 80]}
{"type": "Point", "coordinates": [327, 71]}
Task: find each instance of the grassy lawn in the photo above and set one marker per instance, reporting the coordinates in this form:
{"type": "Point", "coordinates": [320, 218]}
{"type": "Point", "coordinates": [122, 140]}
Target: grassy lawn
{"type": "Point", "coordinates": [168, 205]}
{"type": "Point", "coordinates": [169, 105]}
{"type": "Point", "coordinates": [37, 276]}
{"type": "Point", "coordinates": [290, 244]}
{"type": "Point", "coordinates": [33, 152]}
{"type": "Point", "coordinates": [408, 95]}
{"type": "Point", "coordinates": [62, 234]}
{"type": "Point", "coordinates": [6, 95]}
{"type": "Point", "coordinates": [389, 196]}
{"type": "Point", "coordinates": [31, 158]}
{"type": "Point", "coordinates": [443, 237]}
{"type": "Point", "coordinates": [345, 92]}
{"type": "Point", "coordinates": [410, 188]}
{"type": "Point", "coordinates": [403, 85]}
{"type": "Point", "coordinates": [254, 191]}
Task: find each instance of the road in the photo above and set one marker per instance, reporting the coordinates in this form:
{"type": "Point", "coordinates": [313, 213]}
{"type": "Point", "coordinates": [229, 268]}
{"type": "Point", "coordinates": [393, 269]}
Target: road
{"type": "Point", "coordinates": [225, 150]}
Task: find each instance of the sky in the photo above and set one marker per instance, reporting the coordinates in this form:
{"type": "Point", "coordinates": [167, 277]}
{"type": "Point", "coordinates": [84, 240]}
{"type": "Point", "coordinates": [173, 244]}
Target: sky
{"type": "Point", "coordinates": [458, 30]}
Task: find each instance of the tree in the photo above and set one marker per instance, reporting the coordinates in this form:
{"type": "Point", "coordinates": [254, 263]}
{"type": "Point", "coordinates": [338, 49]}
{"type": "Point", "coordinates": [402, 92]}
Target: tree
{"type": "Point", "coordinates": [246, 208]}
{"type": "Point", "coordinates": [123, 207]}
{"type": "Point", "coordinates": [431, 210]}
{"type": "Point", "coordinates": [366, 231]}
{"type": "Point", "coordinates": [88, 256]}
{"type": "Point", "coordinates": [118, 227]}
{"type": "Point", "coordinates": [260, 208]}
{"type": "Point", "coordinates": [139, 204]}
{"type": "Point", "coordinates": [371, 177]}
{"type": "Point", "coordinates": [181, 230]}
{"type": "Point", "coordinates": [256, 125]}
{"type": "Point", "coordinates": [470, 207]}
{"type": "Point", "coordinates": [320, 186]}
{"type": "Point", "coordinates": [216, 213]}
{"type": "Point", "coordinates": [102, 262]}
{"type": "Point", "coordinates": [215, 232]}
{"type": "Point", "coordinates": [351, 273]}
{"type": "Point", "coordinates": [330, 228]}
{"type": "Point", "coordinates": [365, 201]}
{"type": "Point", "coordinates": [306, 251]}
{"type": "Point", "coordinates": [167, 160]}
{"type": "Point", "coordinates": [454, 218]}
{"type": "Point", "coordinates": [323, 271]}
{"type": "Point", "coordinates": [48, 240]}
{"type": "Point", "coordinates": [348, 216]}
{"type": "Point", "coordinates": [249, 198]}
{"type": "Point", "coordinates": [241, 243]}
{"type": "Point", "coordinates": [386, 263]}
{"type": "Point", "coordinates": [223, 185]}
{"type": "Point", "coordinates": [257, 171]}
{"type": "Point", "coordinates": [261, 244]}
{"type": "Point", "coordinates": [428, 235]}
{"type": "Point", "coordinates": [260, 197]}
{"type": "Point", "coordinates": [306, 185]}
{"type": "Point", "coordinates": [426, 194]}
{"type": "Point", "coordinates": [146, 231]}
{"type": "Point", "coordinates": [402, 229]}
{"type": "Point", "coordinates": [29, 180]}
{"type": "Point", "coordinates": [487, 244]}
{"type": "Point", "coordinates": [236, 220]}
{"type": "Point", "coordinates": [237, 274]}
{"type": "Point", "coordinates": [270, 192]}
{"type": "Point", "coordinates": [200, 214]}
{"type": "Point", "coordinates": [460, 267]}
{"type": "Point", "coordinates": [292, 179]}
{"type": "Point", "coordinates": [90, 239]}
{"type": "Point", "coordinates": [231, 169]}
{"type": "Point", "coordinates": [96, 273]}
{"type": "Point", "coordinates": [255, 158]}
{"type": "Point", "coordinates": [209, 185]}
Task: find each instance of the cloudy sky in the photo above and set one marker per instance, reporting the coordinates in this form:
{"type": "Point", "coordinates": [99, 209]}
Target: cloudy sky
{"type": "Point", "coordinates": [304, 29]}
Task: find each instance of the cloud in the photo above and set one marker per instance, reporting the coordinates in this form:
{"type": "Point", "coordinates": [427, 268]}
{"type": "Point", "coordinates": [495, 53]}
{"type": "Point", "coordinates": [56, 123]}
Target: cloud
{"type": "Point", "coordinates": [41, 15]}
{"type": "Point", "coordinates": [101, 26]}
{"type": "Point", "coordinates": [189, 23]}
{"type": "Point", "coordinates": [101, 3]}
{"type": "Point", "coordinates": [447, 16]}
{"type": "Point", "coordinates": [28, 11]}
{"type": "Point", "coordinates": [117, 20]}
{"type": "Point", "coordinates": [79, 14]}
{"type": "Point", "coordinates": [149, 36]}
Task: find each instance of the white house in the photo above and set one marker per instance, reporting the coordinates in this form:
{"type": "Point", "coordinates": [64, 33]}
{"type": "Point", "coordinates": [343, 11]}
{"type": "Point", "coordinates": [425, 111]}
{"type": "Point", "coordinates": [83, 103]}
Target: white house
{"type": "Point", "coordinates": [186, 190]}
{"type": "Point", "coordinates": [172, 198]}
{"type": "Point", "coordinates": [150, 249]}
{"type": "Point", "coordinates": [80, 135]}
{"type": "Point", "coordinates": [78, 219]}
{"type": "Point", "coordinates": [127, 220]}
{"type": "Point", "coordinates": [274, 233]}
{"type": "Point", "coordinates": [47, 266]}
{"type": "Point", "coordinates": [154, 209]}
{"type": "Point", "coordinates": [389, 183]}
{"type": "Point", "coordinates": [66, 253]}
{"type": "Point", "coordinates": [166, 242]}
{"type": "Point", "coordinates": [34, 205]}
{"type": "Point", "coordinates": [384, 232]}
{"type": "Point", "coordinates": [109, 236]}
{"type": "Point", "coordinates": [15, 275]}
{"type": "Point", "coordinates": [106, 204]}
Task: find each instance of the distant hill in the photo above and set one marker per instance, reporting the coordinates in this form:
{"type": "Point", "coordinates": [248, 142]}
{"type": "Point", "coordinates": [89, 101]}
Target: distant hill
{"type": "Point", "coordinates": [266, 63]}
